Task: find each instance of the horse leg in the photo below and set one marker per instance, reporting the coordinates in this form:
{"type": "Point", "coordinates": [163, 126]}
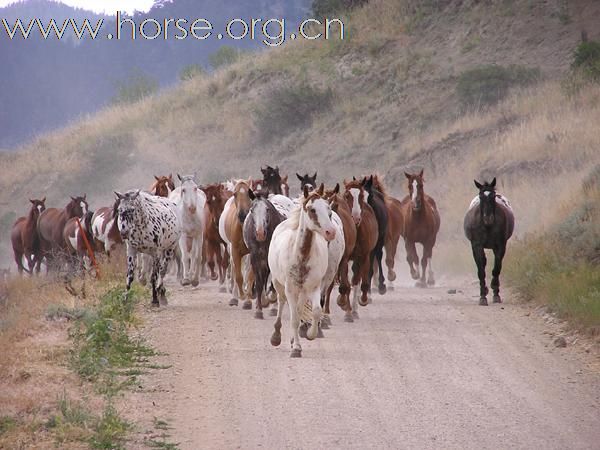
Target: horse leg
{"type": "Point", "coordinates": [295, 325]}
{"type": "Point", "coordinates": [344, 298]}
{"type": "Point", "coordinates": [498, 256]}
{"type": "Point", "coordinates": [480, 260]}
{"type": "Point", "coordinates": [154, 279]}
{"type": "Point", "coordinates": [260, 283]}
{"type": "Point", "coordinates": [391, 246]}
{"type": "Point", "coordinates": [412, 258]}
{"type": "Point", "coordinates": [427, 254]}
{"type": "Point", "coordinates": [185, 257]}
{"type": "Point", "coordinates": [165, 260]}
{"type": "Point", "coordinates": [196, 260]}
{"type": "Point", "coordinates": [424, 259]}
{"type": "Point", "coordinates": [379, 255]}
{"type": "Point", "coordinates": [131, 261]}
{"type": "Point", "coordinates": [366, 269]}
{"type": "Point", "coordinates": [19, 262]}
{"type": "Point", "coordinates": [276, 336]}
{"type": "Point", "coordinates": [237, 275]}
{"type": "Point", "coordinates": [313, 331]}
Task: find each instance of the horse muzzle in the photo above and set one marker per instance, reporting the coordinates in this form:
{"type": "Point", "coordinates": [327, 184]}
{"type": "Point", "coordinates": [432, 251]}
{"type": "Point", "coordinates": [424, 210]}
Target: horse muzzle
{"type": "Point", "coordinates": [330, 234]}
{"type": "Point", "coordinates": [192, 209]}
{"type": "Point", "coordinates": [261, 236]}
{"type": "Point", "coordinates": [356, 220]}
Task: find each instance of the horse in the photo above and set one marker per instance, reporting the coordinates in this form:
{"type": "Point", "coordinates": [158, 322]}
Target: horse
{"type": "Point", "coordinates": [50, 226]}
{"type": "Point", "coordinates": [367, 234]}
{"type": "Point", "coordinates": [307, 180]}
{"type": "Point", "coordinates": [75, 241]}
{"type": "Point", "coordinates": [377, 202]}
{"type": "Point", "coordinates": [215, 248]}
{"type": "Point", "coordinates": [489, 223]}
{"type": "Point", "coordinates": [272, 181]}
{"type": "Point", "coordinates": [298, 260]}
{"type": "Point", "coordinates": [340, 207]}
{"type": "Point", "coordinates": [163, 185]}
{"type": "Point", "coordinates": [190, 201]}
{"type": "Point", "coordinates": [148, 224]}
{"type": "Point", "coordinates": [25, 240]}
{"type": "Point", "coordinates": [421, 225]}
{"type": "Point", "coordinates": [395, 228]}
{"type": "Point", "coordinates": [230, 229]}
{"type": "Point", "coordinates": [261, 221]}
{"type": "Point", "coordinates": [105, 231]}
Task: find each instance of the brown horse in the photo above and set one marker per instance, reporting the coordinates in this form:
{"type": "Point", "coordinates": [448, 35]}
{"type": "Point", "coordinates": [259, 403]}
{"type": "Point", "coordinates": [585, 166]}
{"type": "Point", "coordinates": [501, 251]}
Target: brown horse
{"type": "Point", "coordinates": [340, 206]}
{"type": "Point", "coordinates": [421, 225]}
{"type": "Point", "coordinates": [105, 230]}
{"type": "Point", "coordinates": [51, 224]}
{"type": "Point", "coordinates": [215, 249]}
{"type": "Point", "coordinates": [163, 185]}
{"type": "Point", "coordinates": [395, 227]}
{"type": "Point", "coordinates": [234, 215]}
{"type": "Point", "coordinates": [366, 239]}
{"type": "Point", "coordinates": [24, 238]}
{"type": "Point", "coordinates": [75, 242]}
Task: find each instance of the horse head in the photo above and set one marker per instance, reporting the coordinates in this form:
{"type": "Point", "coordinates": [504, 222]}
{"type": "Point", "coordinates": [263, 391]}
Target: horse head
{"type": "Point", "coordinates": [260, 213]}
{"type": "Point", "coordinates": [163, 185]}
{"type": "Point", "coordinates": [272, 180]}
{"type": "Point", "coordinates": [242, 199]}
{"type": "Point", "coordinates": [415, 190]}
{"type": "Point", "coordinates": [355, 198]}
{"type": "Point", "coordinates": [215, 199]}
{"type": "Point", "coordinates": [189, 193]}
{"type": "Point", "coordinates": [306, 179]}
{"type": "Point", "coordinates": [127, 205]}
{"type": "Point", "coordinates": [77, 207]}
{"type": "Point", "coordinates": [318, 213]}
{"type": "Point", "coordinates": [37, 207]}
{"type": "Point", "coordinates": [487, 202]}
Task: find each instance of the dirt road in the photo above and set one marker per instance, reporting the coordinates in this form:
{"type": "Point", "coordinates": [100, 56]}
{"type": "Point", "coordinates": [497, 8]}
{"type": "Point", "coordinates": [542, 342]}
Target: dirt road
{"type": "Point", "coordinates": [419, 369]}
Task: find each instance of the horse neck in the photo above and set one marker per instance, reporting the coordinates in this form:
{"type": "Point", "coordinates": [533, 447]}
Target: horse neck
{"type": "Point", "coordinates": [32, 217]}
{"type": "Point", "coordinates": [304, 237]}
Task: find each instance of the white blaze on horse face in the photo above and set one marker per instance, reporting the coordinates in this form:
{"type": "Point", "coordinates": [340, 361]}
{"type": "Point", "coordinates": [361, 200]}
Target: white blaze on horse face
{"type": "Point", "coordinates": [83, 208]}
{"type": "Point", "coordinates": [321, 223]}
{"type": "Point", "coordinates": [356, 210]}
{"type": "Point", "coordinates": [414, 190]}
{"type": "Point", "coordinates": [259, 211]}
{"type": "Point", "coordinates": [39, 207]}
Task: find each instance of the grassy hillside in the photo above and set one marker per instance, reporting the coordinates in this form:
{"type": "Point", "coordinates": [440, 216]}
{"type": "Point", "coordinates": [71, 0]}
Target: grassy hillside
{"type": "Point", "coordinates": [385, 99]}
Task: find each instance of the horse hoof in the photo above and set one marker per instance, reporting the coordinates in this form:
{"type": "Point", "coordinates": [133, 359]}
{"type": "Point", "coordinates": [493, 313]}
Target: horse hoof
{"type": "Point", "coordinates": [155, 304]}
{"type": "Point", "coordinates": [355, 315]}
{"type": "Point", "coordinates": [247, 305]}
{"type": "Point", "coordinates": [391, 289]}
{"type": "Point", "coordinates": [275, 339]}
{"type": "Point", "coordinates": [483, 301]}
{"type": "Point", "coordinates": [326, 319]}
{"type": "Point", "coordinates": [382, 289]}
{"type": "Point", "coordinates": [348, 317]}
{"type": "Point", "coordinates": [214, 278]}
{"type": "Point", "coordinates": [265, 302]}
{"type": "Point", "coordinates": [302, 330]}
{"type": "Point", "coordinates": [391, 275]}
{"type": "Point", "coordinates": [320, 334]}
{"type": "Point", "coordinates": [163, 301]}
{"type": "Point", "coordinates": [497, 299]}
{"type": "Point", "coordinates": [195, 283]}
{"type": "Point", "coordinates": [222, 289]}
{"type": "Point", "coordinates": [370, 301]}
{"type": "Point", "coordinates": [258, 314]}
{"type": "Point", "coordinates": [324, 325]}
{"type": "Point", "coordinates": [420, 284]}
{"type": "Point", "coordinates": [273, 311]}
{"type": "Point", "coordinates": [431, 282]}
{"type": "Point", "coordinates": [342, 302]}
{"type": "Point", "coordinates": [363, 302]}
{"type": "Point", "coordinates": [296, 353]}
{"type": "Point", "coordinates": [185, 282]}
{"type": "Point", "coordinates": [233, 302]}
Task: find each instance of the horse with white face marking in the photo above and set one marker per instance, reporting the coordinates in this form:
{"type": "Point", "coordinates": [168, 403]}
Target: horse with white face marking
{"type": "Point", "coordinates": [298, 259]}
{"type": "Point", "coordinates": [104, 228]}
{"type": "Point", "coordinates": [149, 225]}
{"type": "Point", "coordinates": [190, 201]}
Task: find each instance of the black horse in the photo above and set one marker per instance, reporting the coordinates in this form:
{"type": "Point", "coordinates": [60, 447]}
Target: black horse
{"type": "Point", "coordinates": [272, 180]}
{"type": "Point", "coordinates": [307, 180]}
{"type": "Point", "coordinates": [489, 223]}
{"type": "Point", "coordinates": [377, 201]}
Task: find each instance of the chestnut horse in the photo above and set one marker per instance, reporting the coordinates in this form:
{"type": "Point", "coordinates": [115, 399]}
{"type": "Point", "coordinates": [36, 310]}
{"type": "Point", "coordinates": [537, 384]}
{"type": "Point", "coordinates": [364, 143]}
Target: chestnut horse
{"type": "Point", "coordinates": [51, 224]}
{"type": "Point", "coordinates": [25, 240]}
{"type": "Point", "coordinates": [76, 243]}
{"type": "Point", "coordinates": [395, 227]}
{"type": "Point", "coordinates": [215, 248]}
{"type": "Point", "coordinates": [341, 208]}
{"type": "Point", "coordinates": [230, 228]}
{"type": "Point", "coordinates": [163, 185]}
{"type": "Point", "coordinates": [377, 202]}
{"type": "Point", "coordinates": [367, 235]}
{"type": "Point", "coordinates": [421, 225]}
{"type": "Point", "coordinates": [489, 223]}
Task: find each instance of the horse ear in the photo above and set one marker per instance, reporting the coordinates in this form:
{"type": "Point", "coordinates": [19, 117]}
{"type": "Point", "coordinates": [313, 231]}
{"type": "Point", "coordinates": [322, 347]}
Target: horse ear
{"type": "Point", "coordinates": [493, 184]}
{"type": "Point", "coordinates": [171, 176]}
{"type": "Point", "coordinates": [407, 175]}
{"type": "Point", "coordinates": [136, 194]}
{"type": "Point", "coordinates": [305, 191]}
{"type": "Point", "coordinates": [298, 176]}
{"type": "Point", "coordinates": [179, 176]}
{"type": "Point", "coordinates": [314, 177]}
{"type": "Point", "coordinates": [44, 200]}
{"type": "Point", "coordinates": [284, 179]}
{"type": "Point", "coordinates": [119, 195]}
{"type": "Point", "coordinates": [477, 184]}
{"type": "Point", "coordinates": [72, 198]}
{"type": "Point", "coordinates": [32, 201]}
{"type": "Point", "coordinates": [421, 173]}
{"type": "Point", "coordinates": [321, 189]}
{"type": "Point", "coordinates": [156, 178]}
{"type": "Point", "coordinates": [251, 194]}
{"type": "Point", "coordinates": [353, 178]}
{"type": "Point", "coordinates": [336, 190]}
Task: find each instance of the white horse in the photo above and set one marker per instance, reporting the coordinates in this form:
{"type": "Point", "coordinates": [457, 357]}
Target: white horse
{"type": "Point", "coordinates": [190, 201]}
{"type": "Point", "coordinates": [298, 260]}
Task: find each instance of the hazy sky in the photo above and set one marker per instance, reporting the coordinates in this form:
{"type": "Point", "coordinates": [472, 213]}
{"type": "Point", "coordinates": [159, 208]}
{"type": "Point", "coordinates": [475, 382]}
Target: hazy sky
{"type": "Point", "coordinates": [107, 6]}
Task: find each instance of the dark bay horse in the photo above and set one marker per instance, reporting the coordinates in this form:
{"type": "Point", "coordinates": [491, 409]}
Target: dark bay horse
{"type": "Point", "coordinates": [376, 199]}
{"type": "Point", "coordinates": [272, 180]}
{"type": "Point", "coordinates": [421, 225]}
{"type": "Point", "coordinates": [25, 240]}
{"type": "Point", "coordinates": [367, 235]}
{"type": "Point", "coordinates": [261, 221]}
{"type": "Point", "coordinates": [395, 228]}
{"type": "Point", "coordinates": [340, 206]}
{"type": "Point", "coordinates": [307, 180]}
{"type": "Point", "coordinates": [489, 223]}
{"type": "Point", "coordinates": [215, 248]}
{"type": "Point", "coordinates": [51, 224]}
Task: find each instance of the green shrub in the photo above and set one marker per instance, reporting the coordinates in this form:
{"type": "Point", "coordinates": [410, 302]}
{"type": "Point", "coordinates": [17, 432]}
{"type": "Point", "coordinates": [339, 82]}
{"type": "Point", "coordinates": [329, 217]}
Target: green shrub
{"type": "Point", "coordinates": [290, 107]}
{"type": "Point", "coordinates": [586, 60]}
{"type": "Point", "coordinates": [487, 85]}
{"type": "Point", "coordinates": [137, 87]}
{"type": "Point", "coordinates": [224, 57]}
{"type": "Point", "coordinates": [191, 71]}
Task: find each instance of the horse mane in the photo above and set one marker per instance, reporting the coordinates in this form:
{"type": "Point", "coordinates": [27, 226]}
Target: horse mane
{"type": "Point", "coordinates": [378, 184]}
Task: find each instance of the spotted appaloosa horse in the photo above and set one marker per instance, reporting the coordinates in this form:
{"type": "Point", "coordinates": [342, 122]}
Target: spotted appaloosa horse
{"type": "Point", "coordinates": [76, 242]}
{"type": "Point", "coordinates": [105, 230]}
{"type": "Point", "coordinates": [307, 180]}
{"type": "Point", "coordinates": [25, 240]}
{"type": "Point", "coordinates": [148, 224]}
{"type": "Point", "coordinates": [163, 185]}
{"type": "Point", "coordinates": [51, 224]}
{"type": "Point", "coordinates": [261, 221]}
{"type": "Point", "coordinates": [190, 201]}
{"type": "Point", "coordinates": [215, 248]}
{"type": "Point", "coordinates": [298, 260]}
{"type": "Point", "coordinates": [395, 228]}
{"type": "Point", "coordinates": [377, 202]}
{"type": "Point", "coordinates": [366, 239]}
{"type": "Point", "coordinates": [489, 223]}
{"type": "Point", "coordinates": [421, 225]}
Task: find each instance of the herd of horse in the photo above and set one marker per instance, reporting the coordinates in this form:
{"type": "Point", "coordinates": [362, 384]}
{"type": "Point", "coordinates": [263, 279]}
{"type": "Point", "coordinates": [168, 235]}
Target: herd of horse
{"type": "Point", "coordinates": [262, 244]}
